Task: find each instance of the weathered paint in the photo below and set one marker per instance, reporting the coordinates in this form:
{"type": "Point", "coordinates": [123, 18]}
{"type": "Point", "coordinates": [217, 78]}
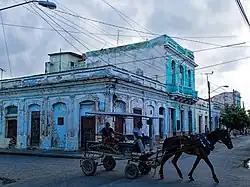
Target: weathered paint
{"type": "Point", "coordinates": [59, 130]}
{"type": "Point", "coordinates": [86, 106]}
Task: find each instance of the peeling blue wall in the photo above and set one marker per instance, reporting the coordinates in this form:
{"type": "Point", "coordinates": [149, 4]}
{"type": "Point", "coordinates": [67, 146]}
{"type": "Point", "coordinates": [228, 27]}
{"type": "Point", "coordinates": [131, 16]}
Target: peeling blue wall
{"type": "Point", "coordinates": [59, 131]}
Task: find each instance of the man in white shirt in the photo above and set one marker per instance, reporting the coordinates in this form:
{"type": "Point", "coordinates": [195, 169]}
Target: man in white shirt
{"type": "Point", "coordinates": [141, 138]}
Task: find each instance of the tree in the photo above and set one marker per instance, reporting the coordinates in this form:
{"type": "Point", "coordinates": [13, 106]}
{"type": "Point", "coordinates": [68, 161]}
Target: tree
{"type": "Point", "coordinates": [234, 117]}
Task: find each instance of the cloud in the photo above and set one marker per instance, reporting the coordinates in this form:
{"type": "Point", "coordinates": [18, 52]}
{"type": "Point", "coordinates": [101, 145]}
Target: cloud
{"type": "Point", "coordinates": [29, 48]}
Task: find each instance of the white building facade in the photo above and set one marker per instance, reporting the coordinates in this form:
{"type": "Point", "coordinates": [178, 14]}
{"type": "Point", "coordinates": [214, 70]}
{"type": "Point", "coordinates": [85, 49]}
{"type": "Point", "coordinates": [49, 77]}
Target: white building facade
{"type": "Point", "coordinates": [202, 116]}
{"type": "Point", "coordinates": [49, 111]}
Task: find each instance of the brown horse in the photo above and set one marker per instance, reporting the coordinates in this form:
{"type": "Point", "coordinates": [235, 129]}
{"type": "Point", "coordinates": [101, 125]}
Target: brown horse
{"type": "Point", "coordinates": [175, 146]}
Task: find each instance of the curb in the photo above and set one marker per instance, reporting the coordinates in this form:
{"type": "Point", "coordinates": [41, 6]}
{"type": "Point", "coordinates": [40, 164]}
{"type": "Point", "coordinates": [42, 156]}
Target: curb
{"type": "Point", "coordinates": [52, 155]}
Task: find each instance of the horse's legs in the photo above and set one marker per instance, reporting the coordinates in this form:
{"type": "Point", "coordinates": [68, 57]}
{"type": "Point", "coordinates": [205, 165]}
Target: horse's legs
{"type": "Point", "coordinates": [190, 174]}
{"type": "Point", "coordinates": [174, 162]}
{"type": "Point", "coordinates": [206, 159]}
{"type": "Point", "coordinates": [163, 161]}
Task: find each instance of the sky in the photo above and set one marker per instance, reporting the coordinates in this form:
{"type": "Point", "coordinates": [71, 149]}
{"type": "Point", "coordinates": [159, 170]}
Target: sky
{"type": "Point", "coordinates": [196, 25]}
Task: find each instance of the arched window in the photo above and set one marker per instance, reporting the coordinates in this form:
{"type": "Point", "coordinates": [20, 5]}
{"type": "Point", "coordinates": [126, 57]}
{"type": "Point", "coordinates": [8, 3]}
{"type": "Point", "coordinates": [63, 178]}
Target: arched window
{"type": "Point", "coordinates": [189, 78]}
{"type": "Point", "coordinates": [173, 72]}
{"type": "Point", "coordinates": [181, 75]}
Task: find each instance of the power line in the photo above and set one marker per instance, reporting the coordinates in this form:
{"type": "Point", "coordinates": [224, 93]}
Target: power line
{"type": "Point", "coordinates": [120, 14]}
{"type": "Point", "coordinates": [222, 63]}
{"type": "Point", "coordinates": [110, 34]}
{"type": "Point", "coordinates": [242, 11]}
{"type": "Point", "coordinates": [160, 68]}
{"type": "Point", "coordinates": [6, 45]}
{"type": "Point", "coordinates": [135, 30]}
{"type": "Point", "coordinates": [55, 29]}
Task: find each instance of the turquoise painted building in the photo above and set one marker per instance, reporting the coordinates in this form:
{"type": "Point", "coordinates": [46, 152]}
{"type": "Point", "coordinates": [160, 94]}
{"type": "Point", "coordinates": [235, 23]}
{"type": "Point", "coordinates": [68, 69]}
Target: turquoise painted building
{"type": "Point", "coordinates": [166, 61]}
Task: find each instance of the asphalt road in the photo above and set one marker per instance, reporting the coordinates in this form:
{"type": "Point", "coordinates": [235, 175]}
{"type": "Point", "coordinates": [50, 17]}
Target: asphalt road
{"type": "Point", "coordinates": [46, 172]}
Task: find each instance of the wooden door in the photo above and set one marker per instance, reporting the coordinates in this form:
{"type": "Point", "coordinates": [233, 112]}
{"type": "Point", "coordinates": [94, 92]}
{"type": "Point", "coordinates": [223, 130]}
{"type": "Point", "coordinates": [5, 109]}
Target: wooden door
{"type": "Point", "coordinates": [119, 121]}
{"type": "Point", "coordinates": [35, 128]}
{"type": "Point", "coordinates": [12, 128]}
{"type": "Point", "coordinates": [87, 129]}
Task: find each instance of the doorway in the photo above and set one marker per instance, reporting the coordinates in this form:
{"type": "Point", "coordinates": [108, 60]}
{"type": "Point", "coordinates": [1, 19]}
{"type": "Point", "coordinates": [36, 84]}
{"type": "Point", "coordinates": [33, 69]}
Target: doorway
{"type": "Point", "coordinates": [190, 121]}
{"type": "Point", "coordinates": [35, 128]}
{"type": "Point", "coordinates": [200, 124]}
{"type": "Point", "coordinates": [87, 129]}
{"type": "Point", "coordinates": [182, 121]}
{"type": "Point", "coordinates": [11, 128]}
{"type": "Point", "coordinates": [119, 121]}
{"type": "Point", "coordinates": [172, 128]}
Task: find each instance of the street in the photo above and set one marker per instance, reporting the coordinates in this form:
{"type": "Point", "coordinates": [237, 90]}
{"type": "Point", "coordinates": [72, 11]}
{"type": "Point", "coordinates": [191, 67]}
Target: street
{"type": "Point", "coordinates": [37, 171]}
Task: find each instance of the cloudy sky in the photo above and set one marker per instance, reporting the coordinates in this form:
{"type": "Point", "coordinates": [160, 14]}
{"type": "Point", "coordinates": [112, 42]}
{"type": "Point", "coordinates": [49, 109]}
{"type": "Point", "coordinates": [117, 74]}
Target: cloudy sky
{"type": "Point", "coordinates": [196, 24]}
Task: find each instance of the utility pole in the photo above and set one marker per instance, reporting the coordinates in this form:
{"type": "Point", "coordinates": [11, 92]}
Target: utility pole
{"type": "Point", "coordinates": [209, 101]}
{"type": "Point", "coordinates": [118, 36]}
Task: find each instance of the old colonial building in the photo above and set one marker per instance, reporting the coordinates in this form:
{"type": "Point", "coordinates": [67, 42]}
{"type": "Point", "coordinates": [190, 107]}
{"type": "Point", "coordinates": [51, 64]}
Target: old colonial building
{"type": "Point", "coordinates": [50, 110]}
{"type": "Point", "coordinates": [161, 59]}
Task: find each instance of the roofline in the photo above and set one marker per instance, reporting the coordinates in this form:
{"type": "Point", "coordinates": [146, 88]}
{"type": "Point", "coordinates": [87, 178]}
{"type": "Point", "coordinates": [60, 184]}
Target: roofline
{"type": "Point", "coordinates": [67, 52]}
{"type": "Point", "coordinates": [137, 43]}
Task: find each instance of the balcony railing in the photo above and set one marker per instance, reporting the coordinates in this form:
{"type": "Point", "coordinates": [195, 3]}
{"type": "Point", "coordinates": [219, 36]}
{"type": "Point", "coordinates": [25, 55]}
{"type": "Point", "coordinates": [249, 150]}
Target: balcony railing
{"type": "Point", "coordinates": [183, 90]}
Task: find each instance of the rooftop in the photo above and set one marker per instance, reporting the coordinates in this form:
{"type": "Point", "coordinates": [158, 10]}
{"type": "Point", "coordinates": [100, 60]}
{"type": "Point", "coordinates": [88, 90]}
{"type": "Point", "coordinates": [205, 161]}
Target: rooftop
{"type": "Point", "coordinates": [66, 53]}
{"type": "Point", "coordinates": [161, 40]}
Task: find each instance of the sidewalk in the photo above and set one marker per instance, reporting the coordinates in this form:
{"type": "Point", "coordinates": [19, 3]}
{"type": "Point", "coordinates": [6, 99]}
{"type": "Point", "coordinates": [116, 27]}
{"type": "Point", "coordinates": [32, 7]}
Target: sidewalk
{"type": "Point", "coordinates": [43, 153]}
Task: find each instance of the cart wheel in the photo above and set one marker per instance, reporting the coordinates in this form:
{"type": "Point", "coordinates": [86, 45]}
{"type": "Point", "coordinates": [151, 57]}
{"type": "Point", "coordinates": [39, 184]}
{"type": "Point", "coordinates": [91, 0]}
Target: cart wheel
{"type": "Point", "coordinates": [131, 171]}
{"type": "Point", "coordinates": [144, 168]}
{"type": "Point", "coordinates": [89, 167]}
{"type": "Point", "coordinates": [109, 163]}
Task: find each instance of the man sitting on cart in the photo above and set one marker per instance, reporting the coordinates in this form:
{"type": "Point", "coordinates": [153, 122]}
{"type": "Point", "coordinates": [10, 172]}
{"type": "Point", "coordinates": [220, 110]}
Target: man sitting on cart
{"type": "Point", "coordinates": [141, 139]}
{"type": "Point", "coordinates": [108, 134]}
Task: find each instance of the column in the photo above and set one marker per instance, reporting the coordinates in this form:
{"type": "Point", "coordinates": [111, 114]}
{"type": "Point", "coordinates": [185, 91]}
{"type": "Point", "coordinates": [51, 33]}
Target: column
{"type": "Point", "coordinates": [192, 108]}
{"type": "Point", "coordinates": [21, 139]}
{"type": "Point", "coordinates": [46, 143]}
{"type": "Point", "coordinates": [185, 121]}
{"type": "Point", "coordinates": [166, 123]}
{"type": "Point", "coordinates": [156, 123]}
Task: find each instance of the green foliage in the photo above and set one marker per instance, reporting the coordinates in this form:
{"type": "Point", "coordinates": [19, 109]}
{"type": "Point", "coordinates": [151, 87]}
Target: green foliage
{"type": "Point", "coordinates": [234, 117]}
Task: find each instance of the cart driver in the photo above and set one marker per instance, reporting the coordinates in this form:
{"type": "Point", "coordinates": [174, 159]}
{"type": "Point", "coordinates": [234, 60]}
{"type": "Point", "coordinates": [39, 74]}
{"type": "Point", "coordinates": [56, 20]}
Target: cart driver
{"type": "Point", "coordinates": [141, 138]}
{"type": "Point", "coordinates": [108, 132]}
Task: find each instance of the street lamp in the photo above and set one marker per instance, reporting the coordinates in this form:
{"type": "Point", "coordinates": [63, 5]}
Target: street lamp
{"type": "Point", "coordinates": [225, 86]}
{"type": "Point", "coordinates": [46, 4]}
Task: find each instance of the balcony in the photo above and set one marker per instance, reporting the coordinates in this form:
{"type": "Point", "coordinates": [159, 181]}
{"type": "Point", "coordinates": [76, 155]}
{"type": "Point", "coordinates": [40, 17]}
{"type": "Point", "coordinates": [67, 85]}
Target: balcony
{"type": "Point", "coordinates": [183, 90]}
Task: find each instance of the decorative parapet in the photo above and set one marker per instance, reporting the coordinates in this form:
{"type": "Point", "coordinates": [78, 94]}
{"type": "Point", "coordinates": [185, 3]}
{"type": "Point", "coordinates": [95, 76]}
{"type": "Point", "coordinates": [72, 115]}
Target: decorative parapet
{"type": "Point", "coordinates": [81, 74]}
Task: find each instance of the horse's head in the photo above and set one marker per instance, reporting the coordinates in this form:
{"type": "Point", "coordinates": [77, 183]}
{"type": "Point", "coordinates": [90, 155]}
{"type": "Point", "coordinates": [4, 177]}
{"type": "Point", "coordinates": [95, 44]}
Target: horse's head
{"type": "Point", "coordinates": [223, 135]}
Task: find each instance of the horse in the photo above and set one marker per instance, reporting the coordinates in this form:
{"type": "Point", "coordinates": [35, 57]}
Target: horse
{"type": "Point", "coordinates": [197, 146]}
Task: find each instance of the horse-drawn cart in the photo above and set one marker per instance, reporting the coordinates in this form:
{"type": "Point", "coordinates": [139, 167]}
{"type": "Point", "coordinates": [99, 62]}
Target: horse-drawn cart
{"type": "Point", "coordinates": [100, 154]}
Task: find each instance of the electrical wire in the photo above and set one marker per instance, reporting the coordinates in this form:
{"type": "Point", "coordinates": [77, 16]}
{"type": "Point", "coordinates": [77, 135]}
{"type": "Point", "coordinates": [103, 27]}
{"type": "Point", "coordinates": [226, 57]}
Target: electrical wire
{"type": "Point", "coordinates": [197, 68]}
{"type": "Point", "coordinates": [129, 29]}
{"type": "Point", "coordinates": [155, 66]}
{"type": "Point", "coordinates": [242, 11]}
{"type": "Point", "coordinates": [69, 34]}
{"type": "Point", "coordinates": [55, 29]}
{"type": "Point", "coordinates": [6, 45]}
{"type": "Point", "coordinates": [107, 34]}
